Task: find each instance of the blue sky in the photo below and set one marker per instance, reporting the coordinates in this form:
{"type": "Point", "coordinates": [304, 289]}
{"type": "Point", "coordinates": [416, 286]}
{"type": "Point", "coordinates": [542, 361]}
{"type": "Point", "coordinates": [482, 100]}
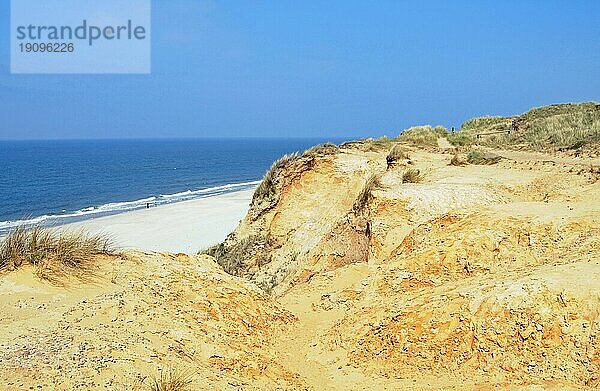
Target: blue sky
{"type": "Point", "coordinates": [318, 69]}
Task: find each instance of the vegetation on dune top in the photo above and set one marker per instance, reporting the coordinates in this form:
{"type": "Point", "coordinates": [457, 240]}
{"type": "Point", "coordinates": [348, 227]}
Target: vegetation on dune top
{"type": "Point", "coordinates": [487, 123]}
{"type": "Point", "coordinates": [425, 135]}
{"type": "Point", "coordinates": [54, 254]}
{"type": "Point", "coordinates": [570, 125]}
{"type": "Point", "coordinates": [267, 188]}
{"type": "Point", "coordinates": [396, 153]}
{"type": "Point", "coordinates": [370, 144]}
{"type": "Point", "coordinates": [379, 143]}
{"type": "Point", "coordinates": [321, 149]}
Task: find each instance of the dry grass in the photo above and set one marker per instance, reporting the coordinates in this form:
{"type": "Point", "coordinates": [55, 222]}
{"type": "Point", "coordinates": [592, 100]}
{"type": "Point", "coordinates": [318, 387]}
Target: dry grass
{"type": "Point", "coordinates": [569, 130]}
{"type": "Point", "coordinates": [475, 157]}
{"type": "Point", "coordinates": [458, 160]}
{"type": "Point", "coordinates": [423, 135]}
{"type": "Point", "coordinates": [370, 144]}
{"type": "Point", "coordinates": [478, 157]}
{"type": "Point", "coordinates": [172, 380]}
{"type": "Point", "coordinates": [565, 126]}
{"type": "Point", "coordinates": [375, 145]}
{"type": "Point", "coordinates": [267, 189]}
{"type": "Point", "coordinates": [321, 150]}
{"type": "Point", "coordinates": [460, 138]}
{"type": "Point", "coordinates": [366, 194]}
{"type": "Point", "coordinates": [396, 153]}
{"type": "Point", "coordinates": [55, 254]}
{"type": "Point", "coordinates": [595, 173]}
{"type": "Point", "coordinates": [232, 256]}
{"type": "Point", "coordinates": [412, 175]}
{"type": "Point", "coordinates": [486, 124]}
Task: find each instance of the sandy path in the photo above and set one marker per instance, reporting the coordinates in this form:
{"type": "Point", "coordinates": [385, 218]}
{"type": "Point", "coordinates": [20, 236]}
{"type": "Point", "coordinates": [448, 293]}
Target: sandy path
{"type": "Point", "coordinates": [185, 227]}
{"type": "Point", "coordinates": [444, 143]}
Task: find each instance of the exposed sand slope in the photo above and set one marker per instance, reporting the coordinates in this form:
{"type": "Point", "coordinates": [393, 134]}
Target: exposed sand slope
{"type": "Point", "coordinates": [145, 312]}
{"type": "Point", "coordinates": [478, 277]}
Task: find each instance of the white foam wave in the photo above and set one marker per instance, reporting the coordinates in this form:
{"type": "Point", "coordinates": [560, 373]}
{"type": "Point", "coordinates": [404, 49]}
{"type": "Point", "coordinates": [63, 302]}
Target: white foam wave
{"type": "Point", "coordinates": [117, 207]}
{"type": "Point", "coordinates": [188, 193]}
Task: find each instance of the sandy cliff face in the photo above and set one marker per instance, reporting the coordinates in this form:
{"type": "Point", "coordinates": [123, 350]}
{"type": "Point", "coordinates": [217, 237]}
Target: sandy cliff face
{"type": "Point", "coordinates": [477, 276]}
{"type": "Point", "coordinates": [480, 274]}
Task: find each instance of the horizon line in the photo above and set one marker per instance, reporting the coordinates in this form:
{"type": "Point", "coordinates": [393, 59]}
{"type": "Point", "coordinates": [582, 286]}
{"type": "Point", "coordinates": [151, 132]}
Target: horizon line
{"type": "Point", "coordinates": [177, 138]}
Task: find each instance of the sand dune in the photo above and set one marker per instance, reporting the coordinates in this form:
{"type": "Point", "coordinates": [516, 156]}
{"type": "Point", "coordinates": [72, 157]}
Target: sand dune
{"type": "Point", "coordinates": [477, 277]}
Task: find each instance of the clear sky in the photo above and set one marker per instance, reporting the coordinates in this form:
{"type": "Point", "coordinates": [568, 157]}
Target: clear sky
{"type": "Point", "coordinates": [318, 69]}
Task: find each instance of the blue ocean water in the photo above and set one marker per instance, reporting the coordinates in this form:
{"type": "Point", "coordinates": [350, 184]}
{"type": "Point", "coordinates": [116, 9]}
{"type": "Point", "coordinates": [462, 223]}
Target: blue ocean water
{"type": "Point", "coordinates": [56, 182]}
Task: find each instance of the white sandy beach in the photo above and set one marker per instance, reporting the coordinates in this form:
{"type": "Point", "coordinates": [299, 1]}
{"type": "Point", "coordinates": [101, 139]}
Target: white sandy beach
{"type": "Point", "coordinates": [185, 227]}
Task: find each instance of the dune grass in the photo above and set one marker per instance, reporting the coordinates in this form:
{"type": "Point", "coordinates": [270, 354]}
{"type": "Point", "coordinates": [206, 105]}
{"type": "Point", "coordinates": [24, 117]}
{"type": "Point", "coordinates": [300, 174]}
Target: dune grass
{"type": "Point", "coordinates": [231, 256]}
{"type": "Point", "coordinates": [172, 380]}
{"type": "Point", "coordinates": [412, 175]}
{"type": "Point", "coordinates": [377, 144]}
{"type": "Point", "coordinates": [395, 154]}
{"type": "Point", "coordinates": [426, 135]}
{"type": "Point", "coordinates": [321, 149]}
{"type": "Point", "coordinates": [54, 254]}
{"type": "Point", "coordinates": [564, 126]}
{"type": "Point", "coordinates": [486, 124]}
{"type": "Point", "coordinates": [475, 157]}
{"type": "Point", "coordinates": [460, 138]}
{"type": "Point", "coordinates": [366, 193]}
{"type": "Point", "coordinates": [566, 130]}
{"type": "Point", "coordinates": [267, 189]}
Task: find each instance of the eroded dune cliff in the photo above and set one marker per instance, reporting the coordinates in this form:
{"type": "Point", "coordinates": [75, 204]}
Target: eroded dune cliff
{"type": "Point", "coordinates": [353, 269]}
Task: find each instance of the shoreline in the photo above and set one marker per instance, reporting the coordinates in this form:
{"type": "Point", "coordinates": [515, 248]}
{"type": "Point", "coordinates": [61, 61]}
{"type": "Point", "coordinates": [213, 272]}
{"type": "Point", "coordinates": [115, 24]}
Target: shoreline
{"type": "Point", "coordinates": [120, 207]}
{"type": "Point", "coordinates": [180, 227]}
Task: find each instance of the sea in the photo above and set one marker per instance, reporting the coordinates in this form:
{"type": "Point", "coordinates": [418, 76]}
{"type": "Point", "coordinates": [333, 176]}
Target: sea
{"type": "Point", "coordinates": [51, 183]}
